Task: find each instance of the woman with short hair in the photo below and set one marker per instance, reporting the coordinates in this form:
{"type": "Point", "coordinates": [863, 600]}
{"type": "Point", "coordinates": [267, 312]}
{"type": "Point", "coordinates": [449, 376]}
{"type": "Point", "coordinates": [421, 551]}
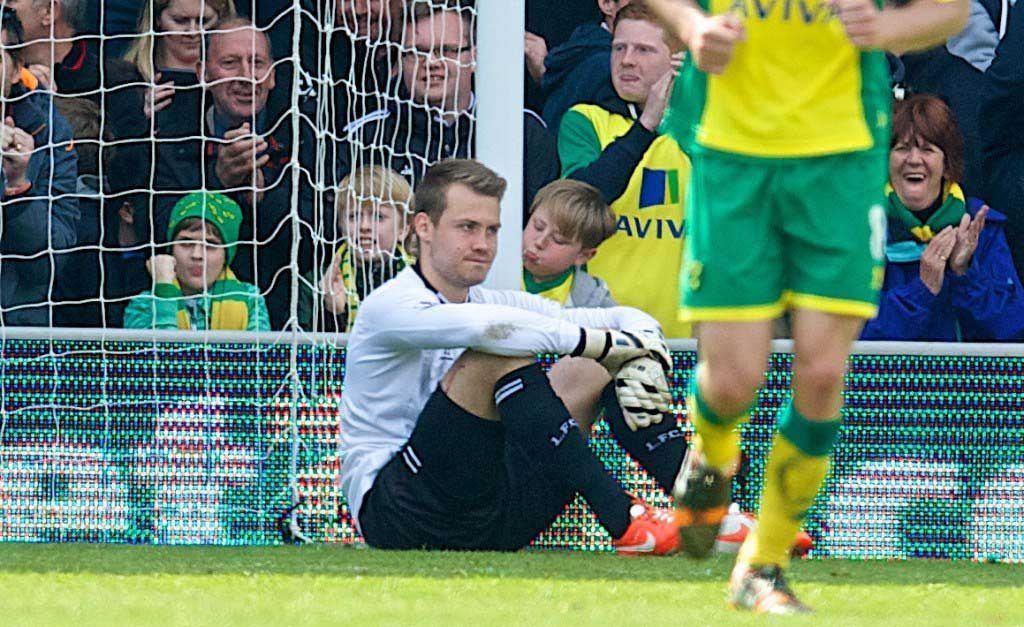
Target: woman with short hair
{"type": "Point", "coordinates": [949, 275]}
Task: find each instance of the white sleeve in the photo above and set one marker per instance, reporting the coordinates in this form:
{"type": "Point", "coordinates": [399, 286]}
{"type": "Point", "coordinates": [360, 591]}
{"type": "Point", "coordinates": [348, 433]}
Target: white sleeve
{"type": "Point", "coordinates": [412, 321]}
{"type": "Point", "coordinates": [621, 318]}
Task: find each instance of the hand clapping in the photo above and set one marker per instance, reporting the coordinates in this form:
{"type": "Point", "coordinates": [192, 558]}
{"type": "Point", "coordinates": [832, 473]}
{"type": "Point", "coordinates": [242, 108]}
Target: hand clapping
{"type": "Point", "coordinates": [967, 234]}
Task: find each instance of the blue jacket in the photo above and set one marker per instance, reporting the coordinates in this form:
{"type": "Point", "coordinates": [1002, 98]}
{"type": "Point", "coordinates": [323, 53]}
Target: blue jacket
{"type": "Point", "coordinates": [578, 71]}
{"type": "Point", "coordinates": [42, 219]}
{"type": "Point", "coordinates": [985, 304]}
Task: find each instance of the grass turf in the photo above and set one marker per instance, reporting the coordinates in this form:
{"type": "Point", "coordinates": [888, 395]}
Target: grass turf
{"type": "Point", "coordinates": [80, 584]}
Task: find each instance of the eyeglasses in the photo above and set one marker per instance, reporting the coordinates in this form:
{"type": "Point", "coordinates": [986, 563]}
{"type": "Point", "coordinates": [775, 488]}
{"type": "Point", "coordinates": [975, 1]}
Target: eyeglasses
{"type": "Point", "coordinates": [449, 52]}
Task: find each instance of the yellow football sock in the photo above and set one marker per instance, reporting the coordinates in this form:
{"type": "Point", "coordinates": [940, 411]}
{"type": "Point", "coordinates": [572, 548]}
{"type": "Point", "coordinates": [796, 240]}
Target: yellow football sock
{"type": "Point", "coordinates": [796, 469]}
{"type": "Point", "coordinates": [717, 437]}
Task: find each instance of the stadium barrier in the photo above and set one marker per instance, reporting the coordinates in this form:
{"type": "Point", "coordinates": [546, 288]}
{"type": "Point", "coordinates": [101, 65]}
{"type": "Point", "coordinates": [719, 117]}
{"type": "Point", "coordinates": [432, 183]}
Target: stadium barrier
{"type": "Point", "coordinates": [230, 439]}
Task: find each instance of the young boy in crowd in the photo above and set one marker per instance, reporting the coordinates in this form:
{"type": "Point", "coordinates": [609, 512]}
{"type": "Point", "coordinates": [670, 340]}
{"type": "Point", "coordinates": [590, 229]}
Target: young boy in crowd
{"type": "Point", "coordinates": [194, 287]}
{"type": "Point", "coordinates": [372, 206]}
{"type": "Point", "coordinates": [568, 221]}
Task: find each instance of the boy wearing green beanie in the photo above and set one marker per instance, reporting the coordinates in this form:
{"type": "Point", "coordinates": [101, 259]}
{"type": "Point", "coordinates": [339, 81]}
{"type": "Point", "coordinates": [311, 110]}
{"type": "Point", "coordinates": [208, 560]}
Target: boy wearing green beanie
{"type": "Point", "coordinates": [194, 287]}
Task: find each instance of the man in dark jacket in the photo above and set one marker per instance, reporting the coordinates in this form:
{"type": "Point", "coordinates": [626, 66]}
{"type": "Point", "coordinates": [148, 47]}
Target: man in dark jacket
{"type": "Point", "coordinates": [409, 137]}
{"type": "Point", "coordinates": [577, 71]}
{"type": "Point", "coordinates": [37, 176]}
{"type": "Point", "coordinates": [59, 57]}
{"type": "Point", "coordinates": [1002, 111]}
{"type": "Point", "coordinates": [431, 114]}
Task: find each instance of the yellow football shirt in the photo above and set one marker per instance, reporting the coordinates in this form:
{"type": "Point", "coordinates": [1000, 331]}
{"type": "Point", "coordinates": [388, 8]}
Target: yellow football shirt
{"type": "Point", "coordinates": [795, 87]}
{"type": "Point", "coordinates": [641, 261]}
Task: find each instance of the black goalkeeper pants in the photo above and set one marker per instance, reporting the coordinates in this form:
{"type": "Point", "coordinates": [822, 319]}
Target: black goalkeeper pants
{"type": "Point", "coordinates": [459, 484]}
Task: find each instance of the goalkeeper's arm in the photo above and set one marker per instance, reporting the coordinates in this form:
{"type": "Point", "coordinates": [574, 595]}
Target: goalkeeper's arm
{"type": "Point", "coordinates": [521, 324]}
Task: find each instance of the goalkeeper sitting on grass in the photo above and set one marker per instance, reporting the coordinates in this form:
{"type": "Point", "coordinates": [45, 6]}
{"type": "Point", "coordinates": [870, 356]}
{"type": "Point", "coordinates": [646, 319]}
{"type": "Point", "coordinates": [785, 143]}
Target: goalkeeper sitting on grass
{"type": "Point", "coordinates": [452, 436]}
{"type": "Point", "coordinates": [194, 287]}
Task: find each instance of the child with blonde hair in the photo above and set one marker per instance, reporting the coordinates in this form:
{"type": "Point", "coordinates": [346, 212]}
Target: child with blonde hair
{"type": "Point", "coordinates": [568, 221]}
{"type": "Point", "coordinates": [372, 206]}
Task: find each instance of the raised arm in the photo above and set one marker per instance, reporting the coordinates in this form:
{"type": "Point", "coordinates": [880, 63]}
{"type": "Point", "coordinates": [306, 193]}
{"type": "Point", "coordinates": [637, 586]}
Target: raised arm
{"type": "Point", "coordinates": [678, 16]}
{"type": "Point", "coordinates": [917, 25]}
{"type": "Point", "coordinates": [709, 39]}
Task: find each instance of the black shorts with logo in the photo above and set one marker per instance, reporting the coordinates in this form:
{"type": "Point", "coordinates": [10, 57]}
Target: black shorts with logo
{"type": "Point", "coordinates": [458, 484]}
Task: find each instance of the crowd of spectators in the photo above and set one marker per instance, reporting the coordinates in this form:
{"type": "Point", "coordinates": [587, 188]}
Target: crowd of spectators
{"type": "Point", "coordinates": [321, 150]}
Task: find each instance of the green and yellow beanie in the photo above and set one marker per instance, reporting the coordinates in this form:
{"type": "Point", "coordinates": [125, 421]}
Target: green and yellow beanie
{"type": "Point", "coordinates": [219, 210]}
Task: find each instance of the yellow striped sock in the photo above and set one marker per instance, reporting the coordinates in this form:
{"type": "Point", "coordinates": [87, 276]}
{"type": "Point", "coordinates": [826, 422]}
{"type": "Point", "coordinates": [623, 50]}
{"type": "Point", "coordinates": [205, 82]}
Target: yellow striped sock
{"type": "Point", "coordinates": [721, 446]}
{"type": "Point", "coordinates": [792, 481]}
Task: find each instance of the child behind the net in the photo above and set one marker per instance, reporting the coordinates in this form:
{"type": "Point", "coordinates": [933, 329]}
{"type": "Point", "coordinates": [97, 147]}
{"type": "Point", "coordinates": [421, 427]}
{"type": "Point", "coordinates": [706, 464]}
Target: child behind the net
{"type": "Point", "coordinates": [372, 207]}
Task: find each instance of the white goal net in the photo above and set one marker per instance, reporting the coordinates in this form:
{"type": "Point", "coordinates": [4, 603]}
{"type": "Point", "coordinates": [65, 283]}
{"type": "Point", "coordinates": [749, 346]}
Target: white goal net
{"type": "Point", "coordinates": [183, 392]}
{"type": "Point", "coordinates": [197, 195]}
{"type": "Point", "coordinates": [309, 116]}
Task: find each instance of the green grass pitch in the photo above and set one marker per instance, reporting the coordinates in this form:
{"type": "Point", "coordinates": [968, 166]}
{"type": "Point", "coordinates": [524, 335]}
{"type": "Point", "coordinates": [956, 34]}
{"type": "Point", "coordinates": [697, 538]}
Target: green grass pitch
{"type": "Point", "coordinates": [80, 584]}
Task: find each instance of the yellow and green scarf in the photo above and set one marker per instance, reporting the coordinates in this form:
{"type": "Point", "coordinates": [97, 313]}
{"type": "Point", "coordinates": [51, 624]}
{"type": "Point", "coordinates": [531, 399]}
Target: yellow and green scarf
{"type": "Point", "coordinates": [228, 307]}
{"type": "Point", "coordinates": [905, 225]}
{"type": "Point", "coordinates": [357, 287]}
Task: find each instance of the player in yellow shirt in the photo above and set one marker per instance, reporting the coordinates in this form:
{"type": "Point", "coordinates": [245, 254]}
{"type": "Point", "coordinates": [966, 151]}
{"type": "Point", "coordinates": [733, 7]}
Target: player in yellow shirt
{"type": "Point", "coordinates": [783, 107]}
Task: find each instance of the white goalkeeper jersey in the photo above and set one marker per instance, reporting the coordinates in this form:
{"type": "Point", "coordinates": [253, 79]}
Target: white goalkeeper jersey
{"type": "Point", "coordinates": [407, 336]}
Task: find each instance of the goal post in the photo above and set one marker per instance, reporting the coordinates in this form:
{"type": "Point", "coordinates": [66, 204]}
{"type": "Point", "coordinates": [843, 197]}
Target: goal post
{"type": "Point", "coordinates": [501, 26]}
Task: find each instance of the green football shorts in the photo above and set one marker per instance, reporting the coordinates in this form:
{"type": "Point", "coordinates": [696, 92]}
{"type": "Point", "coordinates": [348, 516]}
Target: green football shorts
{"type": "Point", "coordinates": [764, 235]}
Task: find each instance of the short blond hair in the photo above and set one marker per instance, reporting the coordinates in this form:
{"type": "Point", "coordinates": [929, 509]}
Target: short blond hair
{"type": "Point", "coordinates": [577, 210]}
{"type": "Point", "coordinates": [372, 186]}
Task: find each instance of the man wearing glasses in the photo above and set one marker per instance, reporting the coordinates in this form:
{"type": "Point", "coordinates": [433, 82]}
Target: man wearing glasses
{"type": "Point", "coordinates": [431, 114]}
{"type": "Point", "coordinates": [430, 117]}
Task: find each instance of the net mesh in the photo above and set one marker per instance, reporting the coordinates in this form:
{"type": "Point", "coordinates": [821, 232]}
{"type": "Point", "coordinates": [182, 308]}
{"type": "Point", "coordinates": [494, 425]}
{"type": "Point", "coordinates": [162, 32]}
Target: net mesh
{"type": "Point", "coordinates": [293, 119]}
{"type": "Point", "coordinates": [317, 118]}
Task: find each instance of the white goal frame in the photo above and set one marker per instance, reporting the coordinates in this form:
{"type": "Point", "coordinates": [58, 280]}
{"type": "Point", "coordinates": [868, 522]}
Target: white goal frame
{"type": "Point", "coordinates": [500, 31]}
{"type": "Point", "coordinates": [943, 349]}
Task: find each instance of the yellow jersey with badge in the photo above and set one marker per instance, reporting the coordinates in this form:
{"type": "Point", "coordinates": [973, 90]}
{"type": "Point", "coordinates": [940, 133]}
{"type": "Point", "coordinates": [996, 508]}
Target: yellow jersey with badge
{"type": "Point", "coordinates": [795, 87]}
{"type": "Point", "coordinates": [641, 261]}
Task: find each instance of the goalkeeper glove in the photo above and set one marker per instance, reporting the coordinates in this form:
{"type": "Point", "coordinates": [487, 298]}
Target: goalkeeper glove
{"type": "Point", "coordinates": [643, 393]}
{"type": "Point", "coordinates": [612, 348]}
{"type": "Point", "coordinates": [655, 342]}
